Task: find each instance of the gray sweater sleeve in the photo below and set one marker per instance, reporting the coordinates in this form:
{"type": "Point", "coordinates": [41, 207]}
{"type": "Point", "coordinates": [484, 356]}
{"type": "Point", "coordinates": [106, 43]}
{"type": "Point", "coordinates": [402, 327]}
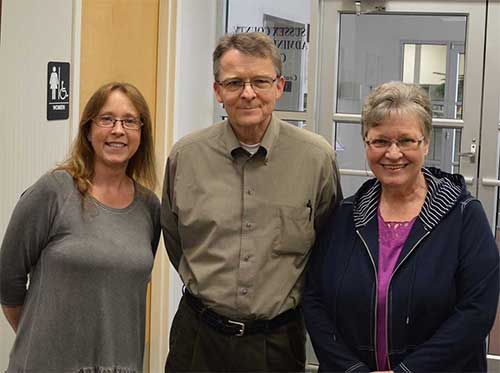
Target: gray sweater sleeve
{"type": "Point", "coordinates": [27, 234]}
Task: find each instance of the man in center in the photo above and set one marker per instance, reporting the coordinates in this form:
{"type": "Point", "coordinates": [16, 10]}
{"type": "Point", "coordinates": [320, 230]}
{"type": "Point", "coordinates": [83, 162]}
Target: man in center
{"type": "Point", "coordinates": [242, 202]}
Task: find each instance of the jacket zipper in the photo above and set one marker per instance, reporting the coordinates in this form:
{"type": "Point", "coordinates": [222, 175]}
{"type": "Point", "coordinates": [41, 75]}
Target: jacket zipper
{"type": "Point", "coordinates": [387, 303]}
{"type": "Point", "coordinates": [376, 296]}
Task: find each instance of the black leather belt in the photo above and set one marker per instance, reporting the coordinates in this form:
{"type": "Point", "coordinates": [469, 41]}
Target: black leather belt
{"type": "Point", "coordinates": [238, 328]}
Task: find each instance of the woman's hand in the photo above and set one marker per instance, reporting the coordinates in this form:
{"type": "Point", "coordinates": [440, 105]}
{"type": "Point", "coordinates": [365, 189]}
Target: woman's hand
{"type": "Point", "coordinates": [12, 314]}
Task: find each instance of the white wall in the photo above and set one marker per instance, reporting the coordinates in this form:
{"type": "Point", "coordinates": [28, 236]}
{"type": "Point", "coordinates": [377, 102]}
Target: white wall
{"type": "Point", "coordinates": [33, 33]}
{"type": "Point", "coordinates": [194, 99]}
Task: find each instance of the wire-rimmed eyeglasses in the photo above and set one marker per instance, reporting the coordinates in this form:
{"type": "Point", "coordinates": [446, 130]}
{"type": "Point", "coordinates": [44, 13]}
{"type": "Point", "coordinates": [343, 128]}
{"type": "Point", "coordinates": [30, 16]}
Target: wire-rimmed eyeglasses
{"type": "Point", "coordinates": [108, 121]}
{"type": "Point", "coordinates": [258, 84]}
{"type": "Point", "coordinates": [404, 143]}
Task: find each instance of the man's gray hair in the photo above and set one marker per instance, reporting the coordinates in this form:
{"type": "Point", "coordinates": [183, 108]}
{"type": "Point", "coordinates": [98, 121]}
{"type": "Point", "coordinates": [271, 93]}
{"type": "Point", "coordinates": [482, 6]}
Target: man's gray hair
{"type": "Point", "coordinates": [250, 43]}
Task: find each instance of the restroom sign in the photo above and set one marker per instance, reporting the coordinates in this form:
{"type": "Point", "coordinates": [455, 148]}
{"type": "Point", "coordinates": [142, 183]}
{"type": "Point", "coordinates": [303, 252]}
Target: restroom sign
{"type": "Point", "coordinates": [57, 90]}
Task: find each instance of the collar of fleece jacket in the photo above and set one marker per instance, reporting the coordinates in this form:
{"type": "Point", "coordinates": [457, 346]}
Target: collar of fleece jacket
{"type": "Point", "coordinates": [444, 190]}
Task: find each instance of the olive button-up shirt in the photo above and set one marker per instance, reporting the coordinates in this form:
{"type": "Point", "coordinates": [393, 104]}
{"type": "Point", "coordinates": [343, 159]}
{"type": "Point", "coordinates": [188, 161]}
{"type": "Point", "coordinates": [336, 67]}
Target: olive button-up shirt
{"type": "Point", "coordinates": [239, 228]}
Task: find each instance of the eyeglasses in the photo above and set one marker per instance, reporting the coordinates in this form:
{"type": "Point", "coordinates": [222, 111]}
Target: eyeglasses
{"type": "Point", "coordinates": [258, 84]}
{"type": "Point", "coordinates": [108, 121]}
{"type": "Point", "coordinates": [404, 144]}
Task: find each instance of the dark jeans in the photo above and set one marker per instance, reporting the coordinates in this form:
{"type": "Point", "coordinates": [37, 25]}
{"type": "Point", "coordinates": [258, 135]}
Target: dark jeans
{"type": "Point", "coordinates": [197, 347]}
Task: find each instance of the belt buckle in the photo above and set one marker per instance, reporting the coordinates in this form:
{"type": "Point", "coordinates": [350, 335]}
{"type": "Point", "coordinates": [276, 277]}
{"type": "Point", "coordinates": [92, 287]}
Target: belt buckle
{"type": "Point", "coordinates": [241, 325]}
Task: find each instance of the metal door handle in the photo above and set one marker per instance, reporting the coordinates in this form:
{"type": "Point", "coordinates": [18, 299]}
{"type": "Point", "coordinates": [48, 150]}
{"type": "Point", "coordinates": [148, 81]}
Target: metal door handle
{"type": "Point", "coordinates": [490, 182]}
{"type": "Point", "coordinates": [472, 153]}
{"type": "Point", "coordinates": [467, 154]}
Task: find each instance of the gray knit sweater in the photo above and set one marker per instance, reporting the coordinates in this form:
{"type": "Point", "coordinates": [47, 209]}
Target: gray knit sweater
{"type": "Point", "coordinates": [84, 309]}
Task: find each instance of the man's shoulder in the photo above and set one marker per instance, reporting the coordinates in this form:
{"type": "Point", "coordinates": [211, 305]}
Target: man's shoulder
{"type": "Point", "coordinates": [303, 137]}
{"type": "Point", "coordinates": [199, 137]}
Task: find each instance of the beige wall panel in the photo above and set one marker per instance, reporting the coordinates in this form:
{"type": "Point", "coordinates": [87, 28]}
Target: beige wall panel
{"type": "Point", "coordinates": [119, 42]}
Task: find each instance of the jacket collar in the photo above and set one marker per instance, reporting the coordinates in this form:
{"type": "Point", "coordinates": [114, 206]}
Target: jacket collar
{"type": "Point", "coordinates": [443, 192]}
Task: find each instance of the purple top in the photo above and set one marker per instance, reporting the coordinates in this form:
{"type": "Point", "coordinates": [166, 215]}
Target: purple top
{"type": "Point", "coordinates": [391, 238]}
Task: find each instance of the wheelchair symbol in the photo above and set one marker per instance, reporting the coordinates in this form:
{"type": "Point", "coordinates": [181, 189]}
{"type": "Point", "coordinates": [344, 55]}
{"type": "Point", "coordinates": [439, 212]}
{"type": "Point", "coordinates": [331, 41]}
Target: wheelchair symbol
{"type": "Point", "coordinates": [63, 94]}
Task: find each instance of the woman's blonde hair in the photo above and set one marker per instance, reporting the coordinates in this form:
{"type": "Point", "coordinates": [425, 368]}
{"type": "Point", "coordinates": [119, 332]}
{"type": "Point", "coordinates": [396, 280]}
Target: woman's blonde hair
{"type": "Point", "coordinates": [397, 98]}
{"type": "Point", "coordinates": [80, 162]}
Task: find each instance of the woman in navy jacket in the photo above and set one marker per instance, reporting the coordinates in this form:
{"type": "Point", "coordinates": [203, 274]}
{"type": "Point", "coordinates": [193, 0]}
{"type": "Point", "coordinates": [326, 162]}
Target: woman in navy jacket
{"type": "Point", "coordinates": [405, 275]}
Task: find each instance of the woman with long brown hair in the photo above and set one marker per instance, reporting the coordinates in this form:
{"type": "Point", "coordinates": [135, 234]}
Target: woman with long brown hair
{"type": "Point", "coordinates": [78, 252]}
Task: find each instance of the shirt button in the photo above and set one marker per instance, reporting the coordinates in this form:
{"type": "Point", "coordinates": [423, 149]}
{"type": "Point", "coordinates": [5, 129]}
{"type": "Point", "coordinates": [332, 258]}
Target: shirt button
{"type": "Point", "coordinates": [248, 225]}
{"type": "Point", "coordinates": [249, 192]}
{"type": "Point", "coordinates": [244, 291]}
{"type": "Point", "coordinates": [246, 258]}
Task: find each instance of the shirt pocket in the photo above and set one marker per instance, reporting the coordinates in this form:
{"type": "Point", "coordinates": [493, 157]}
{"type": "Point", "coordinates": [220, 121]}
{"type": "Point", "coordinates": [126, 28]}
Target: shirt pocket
{"type": "Point", "coordinates": [296, 232]}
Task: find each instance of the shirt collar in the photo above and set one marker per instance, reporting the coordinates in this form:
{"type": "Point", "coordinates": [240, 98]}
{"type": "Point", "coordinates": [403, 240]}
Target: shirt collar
{"type": "Point", "coordinates": [270, 137]}
{"type": "Point", "coordinates": [230, 139]}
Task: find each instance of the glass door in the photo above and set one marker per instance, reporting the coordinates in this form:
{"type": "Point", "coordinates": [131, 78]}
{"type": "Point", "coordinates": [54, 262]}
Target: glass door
{"type": "Point", "coordinates": [438, 45]}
